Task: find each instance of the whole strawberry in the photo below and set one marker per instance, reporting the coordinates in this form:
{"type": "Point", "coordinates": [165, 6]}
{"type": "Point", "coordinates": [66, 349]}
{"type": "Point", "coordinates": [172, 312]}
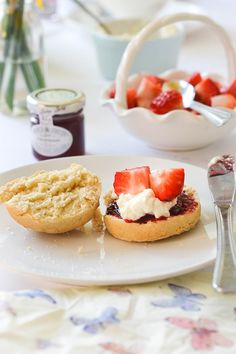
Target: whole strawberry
{"type": "Point", "coordinates": [167, 101]}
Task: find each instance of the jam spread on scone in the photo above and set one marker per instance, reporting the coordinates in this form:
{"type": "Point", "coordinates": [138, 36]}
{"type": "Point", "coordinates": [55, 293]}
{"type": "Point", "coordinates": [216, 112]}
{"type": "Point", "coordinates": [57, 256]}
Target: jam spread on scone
{"type": "Point", "coordinates": [185, 203]}
{"type": "Point", "coordinates": [143, 195]}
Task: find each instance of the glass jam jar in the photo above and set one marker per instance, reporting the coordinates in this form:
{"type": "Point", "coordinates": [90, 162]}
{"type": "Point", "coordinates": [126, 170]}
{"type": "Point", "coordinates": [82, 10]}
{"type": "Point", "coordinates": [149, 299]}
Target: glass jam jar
{"type": "Point", "coordinates": [57, 122]}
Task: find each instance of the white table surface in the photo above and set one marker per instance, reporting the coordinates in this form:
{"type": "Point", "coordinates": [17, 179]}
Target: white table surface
{"type": "Point", "coordinates": [72, 63]}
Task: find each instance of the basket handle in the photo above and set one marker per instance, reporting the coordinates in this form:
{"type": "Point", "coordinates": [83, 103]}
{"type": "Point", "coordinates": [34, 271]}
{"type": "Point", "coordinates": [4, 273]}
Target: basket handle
{"type": "Point", "coordinates": [136, 43]}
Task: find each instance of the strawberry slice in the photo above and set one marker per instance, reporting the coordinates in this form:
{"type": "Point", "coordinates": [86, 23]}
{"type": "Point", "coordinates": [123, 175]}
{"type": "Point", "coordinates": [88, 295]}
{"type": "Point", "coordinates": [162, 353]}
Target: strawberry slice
{"type": "Point", "coordinates": [206, 89]}
{"type": "Point", "coordinates": [231, 88]}
{"type": "Point", "coordinates": [147, 90]}
{"type": "Point", "coordinates": [132, 180]}
{"type": "Point", "coordinates": [226, 100]}
{"type": "Point", "coordinates": [112, 92]}
{"type": "Point", "coordinates": [167, 101]}
{"type": "Point", "coordinates": [155, 79]}
{"type": "Point", "coordinates": [131, 96]}
{"type": "Point", "coordinates": [167, 184]}
{"type": "Point", "coordinates": [195, 78]}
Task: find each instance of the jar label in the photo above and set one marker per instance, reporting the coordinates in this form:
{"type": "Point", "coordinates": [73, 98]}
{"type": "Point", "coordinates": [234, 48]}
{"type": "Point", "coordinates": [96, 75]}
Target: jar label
{"type": "Point", "coordinates": [50, 140]}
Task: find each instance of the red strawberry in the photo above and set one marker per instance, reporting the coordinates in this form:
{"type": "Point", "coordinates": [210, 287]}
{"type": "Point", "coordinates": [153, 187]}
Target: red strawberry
{"type": "Point", "coordinates": [167, 184]}
{"type": "Point", "coordinates": [133, 180]}
{"type": "Point", "coordinates": [147, 90]}
{"type": "Point", "coordinates": [195, 78]}
{"type": "Point", "coordinates": [130, 94]}
{"type": "Point", "coordinates": [226, 100]}
{"type": "Point", "coordinates": [131, 97]}
{"type": "Point", "coordinates": [230, 89]}
{"type": "Point", "coordinates": [112, 92]}
{"type": "Point", "coordinates": [155, 79]}
{"type": "Point", "coordinates": [205, 90]}
{"type": "Point", "coordinates": [167, 101]}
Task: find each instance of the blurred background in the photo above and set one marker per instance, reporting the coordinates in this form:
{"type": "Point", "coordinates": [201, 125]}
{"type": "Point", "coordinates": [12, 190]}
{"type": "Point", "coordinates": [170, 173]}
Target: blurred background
{"type": "Point", "coordinates": [69, 12]}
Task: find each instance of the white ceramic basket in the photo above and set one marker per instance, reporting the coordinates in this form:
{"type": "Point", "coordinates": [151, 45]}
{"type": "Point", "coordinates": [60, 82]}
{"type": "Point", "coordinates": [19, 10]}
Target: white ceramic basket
{"type": "Point", "coordinates": [178, 129]}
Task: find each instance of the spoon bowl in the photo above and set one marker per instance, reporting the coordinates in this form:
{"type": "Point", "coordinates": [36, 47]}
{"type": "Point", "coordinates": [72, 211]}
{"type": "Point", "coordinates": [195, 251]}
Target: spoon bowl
{"type": "Point", "coordinates": [188, 93]}
{"type": "Point", "coordinates": [217, 116]}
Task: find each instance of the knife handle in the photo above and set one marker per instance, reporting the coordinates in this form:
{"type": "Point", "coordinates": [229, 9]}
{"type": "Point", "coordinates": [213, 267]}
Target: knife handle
{"type": "Point", "coordinates": [224, 275]}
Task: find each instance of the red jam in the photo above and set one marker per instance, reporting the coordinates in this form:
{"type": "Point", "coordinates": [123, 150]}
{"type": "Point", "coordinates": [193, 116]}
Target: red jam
{"type": "Point", "coordinates": [185, 204]}
{"type": "Point", "coordinates": [57, 123]}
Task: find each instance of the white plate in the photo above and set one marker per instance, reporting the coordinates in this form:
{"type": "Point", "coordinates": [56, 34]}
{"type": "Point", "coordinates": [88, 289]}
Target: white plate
{"type": "Point", "coordinates": [83, 259]}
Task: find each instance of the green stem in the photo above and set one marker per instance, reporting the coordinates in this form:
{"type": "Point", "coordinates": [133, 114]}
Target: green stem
{"type": "Point", "coordinates": [1, 73]}
{"type": "Point", "coordinates": [16, 47]}
{"type": "Point", "coordinates": [31, 70]}
{"type": "Point", "coordinates": [8, 28]}
{"type": "Point", "coordinates": [33, 75]}
{"type": "Point", "coordinates": [11, 86]}
{"type": "Point", "coordinates": [38, 73]}
{"type": "Point", "coordinates": [12, 49]}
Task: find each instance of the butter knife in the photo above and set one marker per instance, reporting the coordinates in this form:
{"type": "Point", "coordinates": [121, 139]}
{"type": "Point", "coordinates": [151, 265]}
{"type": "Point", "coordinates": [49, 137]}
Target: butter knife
{"type": "Point", "coordinates": [221, 180]}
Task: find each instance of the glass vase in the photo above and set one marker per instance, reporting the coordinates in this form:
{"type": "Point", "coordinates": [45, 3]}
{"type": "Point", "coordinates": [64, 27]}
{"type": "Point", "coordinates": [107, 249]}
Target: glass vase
{"type": "Point", "coordinates": [21, 55]}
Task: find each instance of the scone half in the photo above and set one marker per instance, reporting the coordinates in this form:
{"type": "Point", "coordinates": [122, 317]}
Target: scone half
{"type": "Point", "coordinates": [156, 229]}
{"type": "Point", "coordinates": [53, 201]}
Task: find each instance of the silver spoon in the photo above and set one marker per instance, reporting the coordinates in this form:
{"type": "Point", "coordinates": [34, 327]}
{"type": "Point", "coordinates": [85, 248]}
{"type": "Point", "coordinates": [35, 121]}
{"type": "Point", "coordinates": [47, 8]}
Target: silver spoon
{"type": "Point", "coordinates": [94, 16]}
{"type": "Point", "coordinates": [217, 116]}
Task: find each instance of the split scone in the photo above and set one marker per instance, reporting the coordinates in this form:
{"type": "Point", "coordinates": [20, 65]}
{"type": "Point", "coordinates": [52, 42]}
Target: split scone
{"type": "Point", "coordinates": [53, 201]}
{"type": "Point", "coordinates": [149, 206]}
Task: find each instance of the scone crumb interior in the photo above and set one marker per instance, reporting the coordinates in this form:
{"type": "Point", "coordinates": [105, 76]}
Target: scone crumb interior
{"type": "Point", "coordinates": [97, 220]}
{"type": "Point", "coordinates": [50, 194]}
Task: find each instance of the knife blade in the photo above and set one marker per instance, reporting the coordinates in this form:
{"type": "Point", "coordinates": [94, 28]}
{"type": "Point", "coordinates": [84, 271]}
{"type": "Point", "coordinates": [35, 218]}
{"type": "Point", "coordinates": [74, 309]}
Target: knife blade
{"type": "Point", "coordinates": [221, 180]}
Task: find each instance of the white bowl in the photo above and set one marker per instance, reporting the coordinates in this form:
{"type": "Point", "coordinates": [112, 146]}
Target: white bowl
{"type": "Point", "coordinates": [158, 54]}
{"type": "Point", "coordinates": [178, 129]}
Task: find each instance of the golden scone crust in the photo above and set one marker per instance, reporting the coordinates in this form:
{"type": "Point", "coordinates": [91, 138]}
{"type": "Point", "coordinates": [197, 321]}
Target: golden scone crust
{"type": "Point", "coordinates": [53, 201]}
{"type": "Point", "coordinates": [154, 230]}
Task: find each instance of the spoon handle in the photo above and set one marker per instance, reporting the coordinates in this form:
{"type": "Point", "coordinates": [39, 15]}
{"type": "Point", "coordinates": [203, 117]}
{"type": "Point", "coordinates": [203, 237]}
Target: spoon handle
{"type": "Point", "coordinates": [93, 15]}
{"type": "Point", "coordinates": [217, 116]}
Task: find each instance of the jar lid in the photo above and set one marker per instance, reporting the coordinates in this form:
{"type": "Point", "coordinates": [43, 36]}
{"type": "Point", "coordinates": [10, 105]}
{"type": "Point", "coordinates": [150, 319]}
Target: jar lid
{"type": "Point", "coordinates": [57, 100]}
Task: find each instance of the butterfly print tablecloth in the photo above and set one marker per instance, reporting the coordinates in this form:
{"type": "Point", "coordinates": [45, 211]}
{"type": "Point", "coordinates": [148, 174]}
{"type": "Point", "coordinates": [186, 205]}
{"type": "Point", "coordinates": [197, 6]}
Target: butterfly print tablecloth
{"type": "Point", "coordinates": [182, 315]}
